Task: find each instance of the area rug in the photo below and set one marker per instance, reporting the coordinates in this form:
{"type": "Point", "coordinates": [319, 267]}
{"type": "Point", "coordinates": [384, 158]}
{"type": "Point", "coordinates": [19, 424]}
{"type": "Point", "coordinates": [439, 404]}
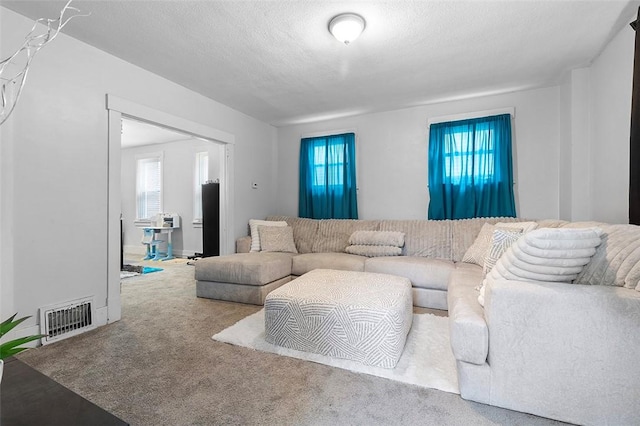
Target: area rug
{"type": "Point", "coordinates": [128, 271]}
{"type": "Point", "coordinates": [427, 360]}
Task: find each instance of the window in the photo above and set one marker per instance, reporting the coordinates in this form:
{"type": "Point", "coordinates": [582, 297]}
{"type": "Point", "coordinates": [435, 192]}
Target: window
{"type": "Point", "coordinates": [470, 168]}
{"type": "Point", "coordinates": [469, 153]}
{"type": "Point", "coordinates": [328, 170]}
{"type": "Point", "coordinates": [328, 177]}
{"type": "Point", "coordinates": [201, 176]}
{"type": "Point", "coordinates": [149, 186]}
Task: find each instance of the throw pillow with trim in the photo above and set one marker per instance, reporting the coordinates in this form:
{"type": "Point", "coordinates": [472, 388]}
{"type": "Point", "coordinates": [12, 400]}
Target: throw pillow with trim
{"type": "Point", "coordinates": [255, 235]}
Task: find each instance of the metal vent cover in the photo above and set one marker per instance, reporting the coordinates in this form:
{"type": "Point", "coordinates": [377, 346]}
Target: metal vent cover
{"type": "Point", "coordinates": [67, 319]}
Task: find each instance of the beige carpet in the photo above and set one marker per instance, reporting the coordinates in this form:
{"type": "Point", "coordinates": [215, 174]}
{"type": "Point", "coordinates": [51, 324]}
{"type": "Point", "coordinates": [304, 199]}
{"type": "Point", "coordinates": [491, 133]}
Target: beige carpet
{"type": "Point", "coordinates": [427, 360]}
{"type": "Point", "coordinates": [159, 366]}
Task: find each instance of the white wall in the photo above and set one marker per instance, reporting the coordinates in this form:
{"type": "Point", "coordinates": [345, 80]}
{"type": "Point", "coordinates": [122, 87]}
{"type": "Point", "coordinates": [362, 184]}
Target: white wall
{"type": "Point", "coordinates": [571, 147]}
{"type": "Point", "coordinates": [565, 190]}
{"type": "Point", "coordinates": [595, 116]}
{"type": "Point", "coordinates": [610, 88]}
{"type": "Point", "coordinates": [178, 169]}
{"type": "Point", "coordinates": [54, 167]}
{"type": "Point", "coordinates": [575, 150]}
{"type": "Point", "coordinates": [392, 155]}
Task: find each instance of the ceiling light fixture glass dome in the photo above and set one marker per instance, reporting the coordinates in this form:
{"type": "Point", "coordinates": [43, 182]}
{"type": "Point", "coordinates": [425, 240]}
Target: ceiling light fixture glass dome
{"type": "Point", "coordinates": [347, 27]}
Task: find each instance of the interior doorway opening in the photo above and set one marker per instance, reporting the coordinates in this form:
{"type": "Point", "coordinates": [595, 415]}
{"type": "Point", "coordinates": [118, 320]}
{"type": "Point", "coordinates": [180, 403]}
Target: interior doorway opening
{"type": "Point", "coordinates": [162, 171]}
{"type": "Point", "coordinates": [119, 109]}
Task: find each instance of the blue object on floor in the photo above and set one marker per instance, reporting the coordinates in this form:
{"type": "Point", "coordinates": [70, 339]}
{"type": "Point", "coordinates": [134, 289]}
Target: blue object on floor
{"type": "Point", "coordinates": [149, 269]}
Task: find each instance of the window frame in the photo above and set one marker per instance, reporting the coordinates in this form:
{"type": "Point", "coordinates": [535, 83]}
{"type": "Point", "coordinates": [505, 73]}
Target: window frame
{"type": "Point", "coordinates": [328, 189]}
{"type": "Point", "coordinates": [198, 181]}
{"type": "Point", "coordinates": [453, 172]}
{"type": "Point", "coordinates": [320, 171]}
{"type": "Point", "coordinates": [148, 158]}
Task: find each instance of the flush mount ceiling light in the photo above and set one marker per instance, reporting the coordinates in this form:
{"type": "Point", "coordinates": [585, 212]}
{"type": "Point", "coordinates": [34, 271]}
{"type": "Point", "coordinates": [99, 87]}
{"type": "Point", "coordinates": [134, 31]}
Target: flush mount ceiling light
{"type": "Point", "coordinates": [346, 27]}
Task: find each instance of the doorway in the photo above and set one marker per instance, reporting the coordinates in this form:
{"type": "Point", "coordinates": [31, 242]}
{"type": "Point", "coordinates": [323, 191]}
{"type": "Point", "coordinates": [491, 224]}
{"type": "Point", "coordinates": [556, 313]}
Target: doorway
{"type": "Point", "coordinates": [180, 164]}
{"type": "Point", "coordinates": [119, 109]}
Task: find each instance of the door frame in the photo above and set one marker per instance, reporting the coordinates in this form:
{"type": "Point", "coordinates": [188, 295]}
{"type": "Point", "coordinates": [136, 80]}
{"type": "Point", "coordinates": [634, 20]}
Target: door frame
{"type": "Point", "coordinates": [118, 108]}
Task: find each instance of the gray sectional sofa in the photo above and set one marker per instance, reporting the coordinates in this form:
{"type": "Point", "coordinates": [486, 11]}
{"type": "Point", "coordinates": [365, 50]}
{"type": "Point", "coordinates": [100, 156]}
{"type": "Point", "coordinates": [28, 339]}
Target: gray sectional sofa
{"type": "Point", "coordinates": [429, 256]}
{"type": "Point", "coordinates": [558, 350]}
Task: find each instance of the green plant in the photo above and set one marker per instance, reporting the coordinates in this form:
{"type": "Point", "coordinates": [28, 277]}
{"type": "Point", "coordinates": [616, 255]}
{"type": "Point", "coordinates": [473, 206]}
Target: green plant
{"type": "Point", "coordinates": [12, 347]}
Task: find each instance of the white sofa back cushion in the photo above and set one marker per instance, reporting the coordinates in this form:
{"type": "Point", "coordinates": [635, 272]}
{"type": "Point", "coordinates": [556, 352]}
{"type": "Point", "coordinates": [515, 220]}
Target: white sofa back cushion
{"type": "Point", "coordinates": [552, 255]}
{"type": "Point", "coordinates": [617, 259]}
{"type": "Point", "coordinates": [377, 238]}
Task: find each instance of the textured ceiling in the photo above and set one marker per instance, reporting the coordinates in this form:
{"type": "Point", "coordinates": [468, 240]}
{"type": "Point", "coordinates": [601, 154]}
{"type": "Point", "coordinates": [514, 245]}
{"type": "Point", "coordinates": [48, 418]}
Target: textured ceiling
{"type": "Point", "coordinates": [276, 61]}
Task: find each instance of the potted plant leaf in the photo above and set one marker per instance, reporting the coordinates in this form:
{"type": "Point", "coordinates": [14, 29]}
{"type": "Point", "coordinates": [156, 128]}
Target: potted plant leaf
{"type": "Point", "coordinates": [13, 347]}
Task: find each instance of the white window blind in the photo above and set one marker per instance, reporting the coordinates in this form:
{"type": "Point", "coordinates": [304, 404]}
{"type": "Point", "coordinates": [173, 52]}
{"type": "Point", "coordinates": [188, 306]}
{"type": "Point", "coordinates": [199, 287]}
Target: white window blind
{"type": "Point", "coordinates": [149, 187]}
{"type": "Point", "coordinates": [201, 176]}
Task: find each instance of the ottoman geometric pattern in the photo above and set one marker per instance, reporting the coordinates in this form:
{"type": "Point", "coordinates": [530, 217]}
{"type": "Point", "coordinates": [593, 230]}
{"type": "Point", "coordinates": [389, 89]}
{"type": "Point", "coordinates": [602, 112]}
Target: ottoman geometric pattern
{"type": "Point", "coordinates": [360, 316]}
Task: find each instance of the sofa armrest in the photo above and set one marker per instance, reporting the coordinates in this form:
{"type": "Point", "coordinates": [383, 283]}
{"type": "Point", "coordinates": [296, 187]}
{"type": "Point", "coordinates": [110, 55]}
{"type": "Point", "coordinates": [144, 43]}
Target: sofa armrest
{"type": "Point", "coordinates": [468, 330]}
{"type": "Point", "coordinates": [243, 244]}
{"type": "Point", "coordinates": [565, 351]}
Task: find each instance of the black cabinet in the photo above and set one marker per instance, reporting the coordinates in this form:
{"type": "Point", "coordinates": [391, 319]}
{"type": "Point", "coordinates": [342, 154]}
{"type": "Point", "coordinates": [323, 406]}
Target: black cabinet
{"type": "Point", "coordinates": [210, 219]}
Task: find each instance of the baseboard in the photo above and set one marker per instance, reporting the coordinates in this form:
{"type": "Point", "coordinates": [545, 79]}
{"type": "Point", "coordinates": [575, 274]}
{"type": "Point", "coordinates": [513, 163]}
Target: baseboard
{"type": "Point", "coordinates": [137, 250]}
{"type": "Point", "coordinates": [102, 315]}
{"type": "Point", "coordinates": [24, 332]}
{"type": "Point", "coordinates": [185, 253]}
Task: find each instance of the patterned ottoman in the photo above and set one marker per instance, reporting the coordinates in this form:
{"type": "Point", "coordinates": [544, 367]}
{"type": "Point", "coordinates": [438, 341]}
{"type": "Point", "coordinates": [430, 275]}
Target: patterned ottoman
{"type": "Point", "coordinates": [361, 316]}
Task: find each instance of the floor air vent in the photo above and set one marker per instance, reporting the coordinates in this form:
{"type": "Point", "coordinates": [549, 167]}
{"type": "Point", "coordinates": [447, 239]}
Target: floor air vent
{"type": "Point", "coordinates": [67, 319]}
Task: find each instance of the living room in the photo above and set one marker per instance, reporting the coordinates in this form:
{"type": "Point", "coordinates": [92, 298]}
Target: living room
{"type": "Point", "coordinates": [568, 165]}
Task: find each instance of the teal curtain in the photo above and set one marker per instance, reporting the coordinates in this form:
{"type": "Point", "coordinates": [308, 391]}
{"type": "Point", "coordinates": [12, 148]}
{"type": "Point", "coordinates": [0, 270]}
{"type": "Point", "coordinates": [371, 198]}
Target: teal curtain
{"type": "Point", "coordinates": [328, 177]}
{"type": "Point", "coordinates": [470, 169]}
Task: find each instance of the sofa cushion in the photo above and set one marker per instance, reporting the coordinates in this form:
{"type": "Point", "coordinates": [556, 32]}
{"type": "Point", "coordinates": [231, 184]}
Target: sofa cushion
{"type": "Point", "coordinates": [304, 231]}
{"type": "Point", "coordinates": [373, 251]}
{"type": "Point", "coordinates": [377, 238]}
{"type": "Point", "coordinates": [465, 231]}
{"type": "Point", "coordinates": [482, 244]}
{"type": "Point", "coordinates": [617, 260]}
{"type": "Point", "coordinates": [423, 272]}
{"type": "Point", "coordinates": [468, 329]}
{"type": "Point", "coordinates": [555, 255]}
{"type": "Point", "coordinates": [333, 234]}
{"type": "Point", "coordinates": [244, 268]}
{"type": "Point", "coordinates": [478, 250]}
{"type": "Point", "coordinates": [304, 263]}
{"type": "Point", "coordinates": [425, 238]}
{"type": "Point", "coordinates": [277, 238]}
{"type": "Point", "coordinates": [255, 235]}
{"type": "Point", "coordinates": [501, 240]}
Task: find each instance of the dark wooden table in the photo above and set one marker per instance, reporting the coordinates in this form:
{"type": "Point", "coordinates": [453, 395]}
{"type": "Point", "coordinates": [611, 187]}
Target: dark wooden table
{"type": "Point", "coordinates": [28, 397]}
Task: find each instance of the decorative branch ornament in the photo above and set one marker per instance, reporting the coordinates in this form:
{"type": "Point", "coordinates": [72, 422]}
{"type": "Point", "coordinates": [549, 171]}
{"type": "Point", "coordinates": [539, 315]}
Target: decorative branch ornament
{"type": "Point", "coordinates": [13, 82]}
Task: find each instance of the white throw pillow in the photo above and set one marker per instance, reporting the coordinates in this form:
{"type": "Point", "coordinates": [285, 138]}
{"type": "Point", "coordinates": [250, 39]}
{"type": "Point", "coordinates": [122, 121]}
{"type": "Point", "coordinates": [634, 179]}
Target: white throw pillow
{"type": "Point", "coordinates": [377, 238]}
{"type": "Point", "coordinates": [550, 255]}
{"type": "Point", "coordinates": [255, 235]}
{"type": "Point", "coordinates": [373, 251]}
{"type": "Point", "coordinates": [478, 250]}
{"type": "Point", "coordinates": [481, 295]}
{"type": "Point", "coordinates": [502, 239]}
